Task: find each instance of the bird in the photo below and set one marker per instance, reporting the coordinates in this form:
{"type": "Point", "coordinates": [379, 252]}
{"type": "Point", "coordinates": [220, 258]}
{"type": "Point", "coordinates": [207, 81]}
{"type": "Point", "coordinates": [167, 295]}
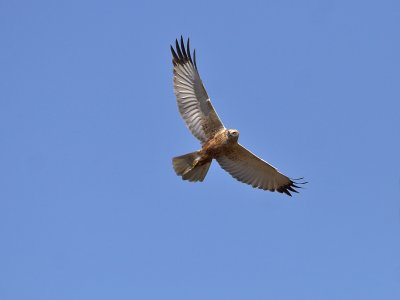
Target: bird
{"type": "Point", "coordinates": [217, 141]}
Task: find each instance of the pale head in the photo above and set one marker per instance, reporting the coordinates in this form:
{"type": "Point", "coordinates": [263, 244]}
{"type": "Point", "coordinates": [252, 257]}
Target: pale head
{"type": "Point", "coordinates": [233, 135]}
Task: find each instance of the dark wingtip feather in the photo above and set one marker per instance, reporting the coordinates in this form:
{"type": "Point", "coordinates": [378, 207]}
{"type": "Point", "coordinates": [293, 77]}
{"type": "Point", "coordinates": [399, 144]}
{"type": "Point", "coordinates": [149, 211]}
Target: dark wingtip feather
{"type": "Point", "coordinates": [178, 49]}
{"type": "Point", "coordinates": [182, 54]}
{"type": "Point", "coordinates": [291, 187]}
{"type": "Point", "coordinates": [188, 51]}
{"type": "Point", "coordinates": [175, 57]}
{"type": "Point", "coordinates": [287, 193]}
{"type": "Point", "coordinates": [183, 49]}
{"type": "Point", "coordinates": [297, 180]}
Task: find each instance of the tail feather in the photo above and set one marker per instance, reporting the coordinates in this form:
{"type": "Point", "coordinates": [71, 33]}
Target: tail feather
{"type": "Point", "coordinates": [190, 167]}
{"type": "Point", "coordinates": [198, 173]}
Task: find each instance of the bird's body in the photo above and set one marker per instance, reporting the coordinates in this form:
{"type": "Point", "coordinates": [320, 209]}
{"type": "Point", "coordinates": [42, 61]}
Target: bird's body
{"type": "Point", "coordinates": [218, 142]}
{"type": "Point", "coordinates": [215, 147]}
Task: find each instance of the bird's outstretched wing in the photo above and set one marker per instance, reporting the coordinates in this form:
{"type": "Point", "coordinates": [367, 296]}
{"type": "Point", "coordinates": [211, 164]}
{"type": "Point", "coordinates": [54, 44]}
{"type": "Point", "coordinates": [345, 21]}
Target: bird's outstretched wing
{"type": "Point", "coordinates": [248, 168]}
{"type": "Point", "coordinates": [193, 102]}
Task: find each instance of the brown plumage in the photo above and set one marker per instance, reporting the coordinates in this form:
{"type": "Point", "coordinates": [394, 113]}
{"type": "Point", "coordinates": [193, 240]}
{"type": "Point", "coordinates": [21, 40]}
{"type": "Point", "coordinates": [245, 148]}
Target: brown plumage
{"type": "Point", "coordinates": [218, 142]}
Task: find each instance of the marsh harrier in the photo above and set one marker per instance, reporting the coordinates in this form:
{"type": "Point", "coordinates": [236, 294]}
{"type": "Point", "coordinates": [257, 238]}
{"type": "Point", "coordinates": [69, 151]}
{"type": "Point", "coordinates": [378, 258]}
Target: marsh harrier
{"type": "Point", "coordinates": [217, 142]}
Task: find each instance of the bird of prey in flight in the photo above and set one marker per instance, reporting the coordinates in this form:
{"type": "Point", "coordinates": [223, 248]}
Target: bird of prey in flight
{"type": "Point", "coordinates": [218, 142]}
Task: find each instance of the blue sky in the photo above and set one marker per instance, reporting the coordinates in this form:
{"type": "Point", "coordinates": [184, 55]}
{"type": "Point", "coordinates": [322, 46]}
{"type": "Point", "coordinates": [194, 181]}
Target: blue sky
{"type": "Point", "coordinates": [90, 207]}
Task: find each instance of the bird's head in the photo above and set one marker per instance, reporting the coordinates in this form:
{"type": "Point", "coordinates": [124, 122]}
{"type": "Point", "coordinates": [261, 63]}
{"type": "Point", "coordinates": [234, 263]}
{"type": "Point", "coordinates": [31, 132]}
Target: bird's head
{"type": "Point", "coordinates": [233, 135]}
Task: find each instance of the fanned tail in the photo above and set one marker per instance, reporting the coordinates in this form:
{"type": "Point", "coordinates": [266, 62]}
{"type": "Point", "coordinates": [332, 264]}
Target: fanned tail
{"type": "Point", "coordinates": [190, 166]}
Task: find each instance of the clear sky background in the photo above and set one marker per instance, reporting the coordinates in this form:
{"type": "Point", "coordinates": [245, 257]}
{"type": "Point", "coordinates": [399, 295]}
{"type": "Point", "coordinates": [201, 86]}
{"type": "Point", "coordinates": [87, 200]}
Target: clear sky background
{"type": "Point", "coordinates": [90, 207]}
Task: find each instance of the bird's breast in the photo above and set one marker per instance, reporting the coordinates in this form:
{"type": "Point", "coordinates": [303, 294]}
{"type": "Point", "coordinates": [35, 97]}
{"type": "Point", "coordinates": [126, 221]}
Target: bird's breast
{"type": "Point", "coordinates": [216, 145]}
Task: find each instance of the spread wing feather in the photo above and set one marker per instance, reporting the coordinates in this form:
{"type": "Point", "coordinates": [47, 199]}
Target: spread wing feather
{"type": "Point", "coordinates": [193, 102]}
{"type": "Point", "coordinates": [248, 168]}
